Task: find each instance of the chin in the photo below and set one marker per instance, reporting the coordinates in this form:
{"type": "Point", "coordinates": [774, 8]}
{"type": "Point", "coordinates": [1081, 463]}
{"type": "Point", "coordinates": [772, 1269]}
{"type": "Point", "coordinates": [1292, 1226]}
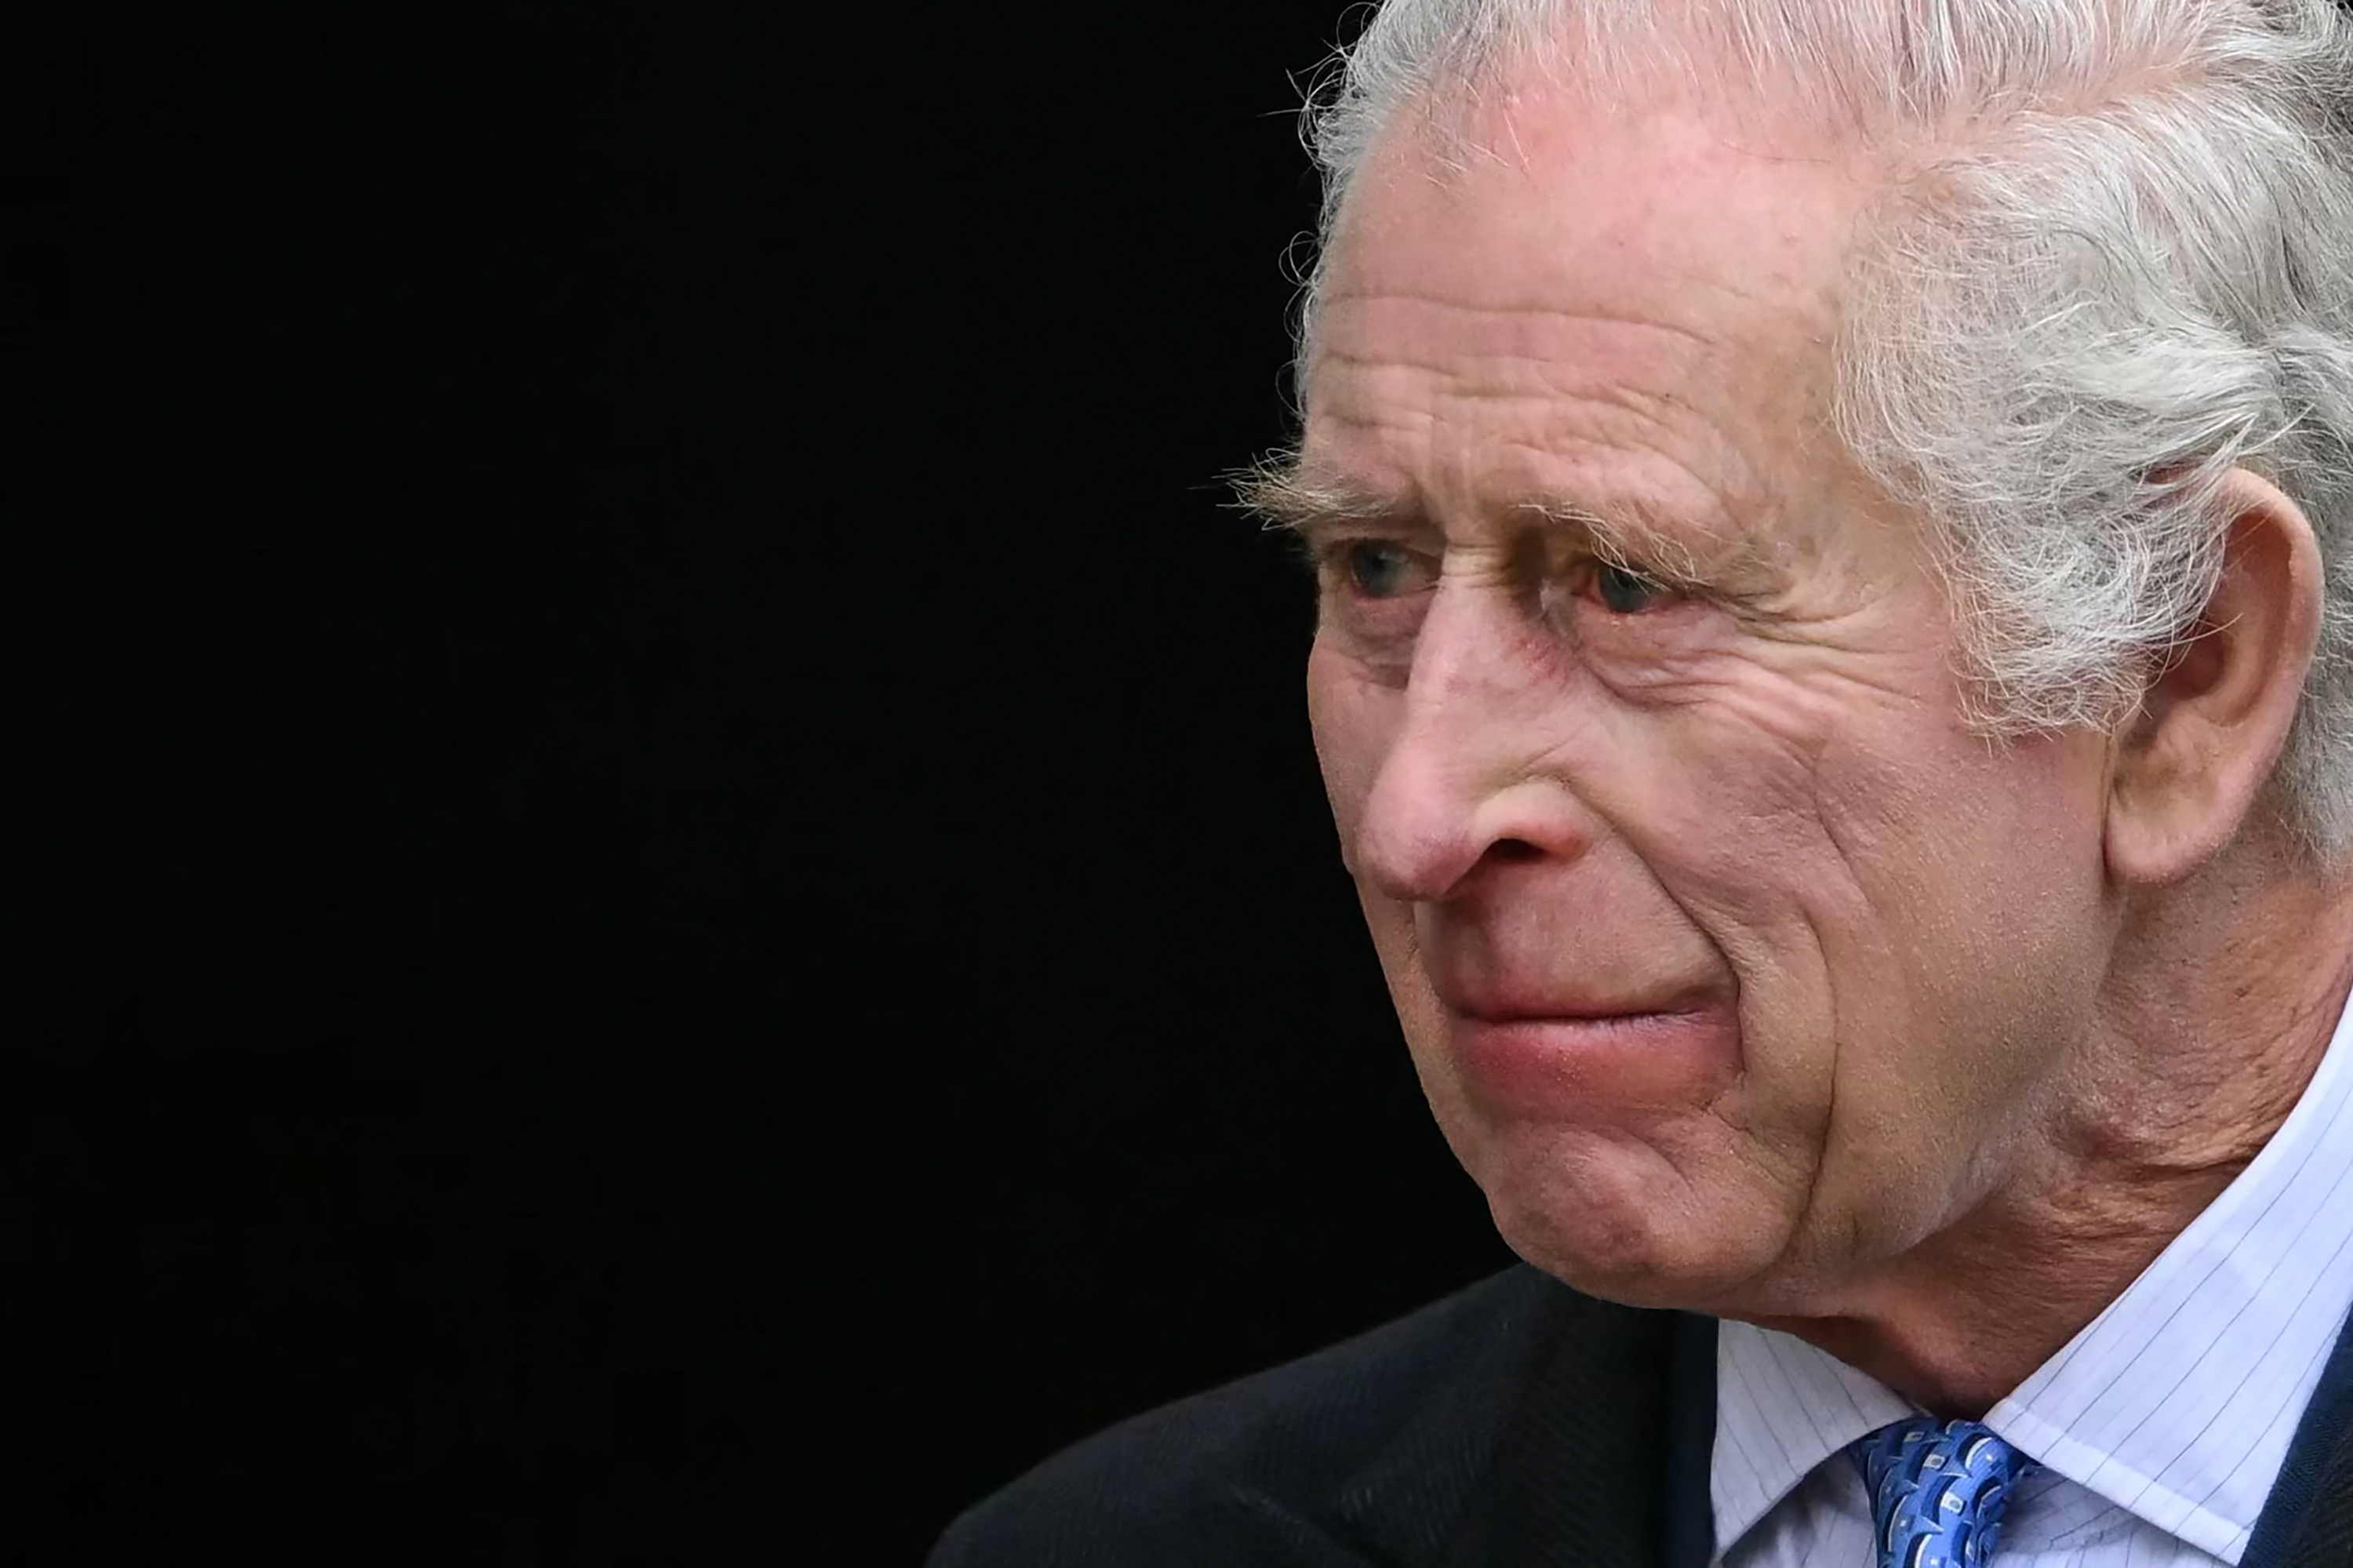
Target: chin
{"type": "Point", "coordinates": [1622, 1224]}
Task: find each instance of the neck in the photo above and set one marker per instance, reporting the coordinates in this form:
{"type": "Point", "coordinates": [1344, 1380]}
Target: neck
{"type": "Point", "coordinates": [2211, 1028]}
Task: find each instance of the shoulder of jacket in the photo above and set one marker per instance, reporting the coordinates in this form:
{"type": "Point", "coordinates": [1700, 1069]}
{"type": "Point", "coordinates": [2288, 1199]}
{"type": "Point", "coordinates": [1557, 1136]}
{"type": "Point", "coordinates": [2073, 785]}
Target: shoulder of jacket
{"type": "Point", "coordinates": [1192, 1472]}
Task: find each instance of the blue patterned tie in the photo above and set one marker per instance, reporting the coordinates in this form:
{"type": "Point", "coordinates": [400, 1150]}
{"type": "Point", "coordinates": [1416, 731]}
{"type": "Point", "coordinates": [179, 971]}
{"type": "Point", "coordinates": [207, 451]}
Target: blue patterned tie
{"type": "Point", "coordinates": [1937, 1490]}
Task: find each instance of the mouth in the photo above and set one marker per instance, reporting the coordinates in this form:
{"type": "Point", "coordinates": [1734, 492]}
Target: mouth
{"type": "Point", "coordinates": [1488, 1003]}
{"type": "Point", "coordinates": [1585, 1060]}
{"type": "Point", "coordinates": [1577, 1014]}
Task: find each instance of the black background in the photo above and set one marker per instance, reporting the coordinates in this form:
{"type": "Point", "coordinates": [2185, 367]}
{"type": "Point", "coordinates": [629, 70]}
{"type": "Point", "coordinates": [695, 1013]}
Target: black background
{"type": "Point", "coordinates": [682, 910]}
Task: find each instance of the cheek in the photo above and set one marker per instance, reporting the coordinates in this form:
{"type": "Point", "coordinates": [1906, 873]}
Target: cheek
{"type": "Point", "coordinates": [1868, 841]}
{"type": "Point", "coordinates": [1824, 847]}
{"type": "Point", "coordinates": [1721, 809]}
{"type": "Point", "coordinates": [1790, 776]}
{"type": "Point", "coordinates": [1913, 913]}
{"type": "Point", "coordinates": [1990, 869]}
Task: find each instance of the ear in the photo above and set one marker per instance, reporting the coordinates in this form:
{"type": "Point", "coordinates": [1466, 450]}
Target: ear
{"type": "Point", "coordinates": [2188, 768]}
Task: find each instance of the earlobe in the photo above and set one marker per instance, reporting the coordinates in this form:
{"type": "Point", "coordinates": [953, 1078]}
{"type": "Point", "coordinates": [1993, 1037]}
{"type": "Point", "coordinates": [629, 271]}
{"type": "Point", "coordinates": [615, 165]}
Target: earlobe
{"type": "Point", "coordinates": [2188, 768]}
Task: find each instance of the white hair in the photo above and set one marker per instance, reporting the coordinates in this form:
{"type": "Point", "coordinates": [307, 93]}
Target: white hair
{"type": "Point", "coordinates": [2113, 261]}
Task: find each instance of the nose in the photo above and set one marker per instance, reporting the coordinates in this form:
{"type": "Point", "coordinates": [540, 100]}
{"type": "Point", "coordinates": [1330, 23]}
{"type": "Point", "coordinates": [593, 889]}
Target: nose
{"type": "Point", "coordinates": [1474, 775]}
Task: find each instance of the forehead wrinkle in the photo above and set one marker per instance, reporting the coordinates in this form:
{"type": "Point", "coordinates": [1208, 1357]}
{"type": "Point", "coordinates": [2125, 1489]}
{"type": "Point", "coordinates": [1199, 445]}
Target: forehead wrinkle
{"type": "Point", "coordinates": [1610, 433]}
{"type": "Point", "coordinates": [1353, 297]}
{"type": "Point", "coordinates": [1505, 351]}
{"type": "Point", "coordinates": [1636, 402]}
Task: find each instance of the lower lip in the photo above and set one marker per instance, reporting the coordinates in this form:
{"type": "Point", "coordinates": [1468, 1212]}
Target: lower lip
{"type": "Point", "coordinates": [1558, 1066]}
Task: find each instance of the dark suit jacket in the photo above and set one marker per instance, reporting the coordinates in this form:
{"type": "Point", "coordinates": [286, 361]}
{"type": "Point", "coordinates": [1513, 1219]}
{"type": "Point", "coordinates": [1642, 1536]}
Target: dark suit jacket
{"type": "Point", "coordinates": [1515, 1423]}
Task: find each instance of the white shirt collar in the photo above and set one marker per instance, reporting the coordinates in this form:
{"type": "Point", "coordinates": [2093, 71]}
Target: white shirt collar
{"type": "Point", "coordinates": [2176, 1403]}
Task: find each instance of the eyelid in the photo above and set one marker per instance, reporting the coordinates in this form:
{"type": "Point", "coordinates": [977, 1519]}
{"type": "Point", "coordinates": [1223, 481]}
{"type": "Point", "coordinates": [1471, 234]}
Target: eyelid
{"type": "Point", "coordinates": [1322, 545]}
{"type": "Point", "coordinates": [1681, 584]}
{"type": "Point", "coordinates": [1325, 541]}
{"type": "Point", "coordinates": [1330, 534]}
{"type": "Point", "coordinates": [1315, 544]}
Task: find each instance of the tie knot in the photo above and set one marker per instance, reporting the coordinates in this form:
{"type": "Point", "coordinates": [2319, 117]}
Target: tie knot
{"type": "Point", "coordinates": [1937, 1490]}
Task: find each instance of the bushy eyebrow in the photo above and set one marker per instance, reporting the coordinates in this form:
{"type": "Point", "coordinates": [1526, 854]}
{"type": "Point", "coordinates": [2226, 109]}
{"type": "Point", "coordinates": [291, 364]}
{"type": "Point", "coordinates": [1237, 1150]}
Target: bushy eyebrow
{"type": "Point", "coordinates": [1286, 493]}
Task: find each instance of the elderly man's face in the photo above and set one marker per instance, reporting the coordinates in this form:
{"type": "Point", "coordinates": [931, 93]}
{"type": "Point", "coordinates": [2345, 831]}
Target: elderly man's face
{"type": "Point", "coordinates": [1729, 960]}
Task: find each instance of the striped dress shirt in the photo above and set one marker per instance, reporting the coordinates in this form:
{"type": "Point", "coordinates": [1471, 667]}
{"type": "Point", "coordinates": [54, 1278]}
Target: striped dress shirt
{"type": "Point", "coordinates": [2161, 1426]}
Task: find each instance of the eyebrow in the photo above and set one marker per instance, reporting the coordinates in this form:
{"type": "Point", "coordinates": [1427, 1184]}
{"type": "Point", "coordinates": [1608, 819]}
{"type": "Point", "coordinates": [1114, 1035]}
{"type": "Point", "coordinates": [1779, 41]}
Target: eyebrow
{"type": "Point", "coordinates": [1285, 495]}
{"type": "Point", "coordinates": [1288, 495]}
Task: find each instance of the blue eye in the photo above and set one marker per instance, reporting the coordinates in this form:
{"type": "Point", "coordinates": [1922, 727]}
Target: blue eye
{"type": "Point", "coordinates": [1374, 569]}
{"type": "Point", "coordinates": [1625, 592]}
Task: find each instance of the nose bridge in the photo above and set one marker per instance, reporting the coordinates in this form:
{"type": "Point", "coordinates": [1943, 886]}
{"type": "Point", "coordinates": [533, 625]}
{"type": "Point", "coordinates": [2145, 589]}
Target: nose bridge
{"type": "Point", "coordinates": [1462, 773]}
{"type": "Point", "coordinates": [1469, 658]}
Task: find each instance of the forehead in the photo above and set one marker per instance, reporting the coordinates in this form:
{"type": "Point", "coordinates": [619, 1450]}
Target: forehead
{"type": "Point", "coordinates": [1530, 183]}
{"type": "Point", "coordinates": [1655, 180]}
{"type": "Point", "coordinates": [1560, 278]}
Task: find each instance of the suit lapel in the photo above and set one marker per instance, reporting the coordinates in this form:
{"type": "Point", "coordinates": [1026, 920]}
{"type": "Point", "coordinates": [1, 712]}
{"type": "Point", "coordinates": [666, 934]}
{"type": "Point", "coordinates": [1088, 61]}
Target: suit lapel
{"type": "Point", "coordinates": [2308, 1519]}
{"type": "Point", "coordinates": [1689, 1525]}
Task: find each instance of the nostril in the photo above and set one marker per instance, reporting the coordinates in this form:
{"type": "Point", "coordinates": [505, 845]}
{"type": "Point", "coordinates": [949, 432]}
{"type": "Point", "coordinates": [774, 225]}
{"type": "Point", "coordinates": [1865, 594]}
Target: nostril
{"type": "Point", "coordinates": [1513, 851]}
